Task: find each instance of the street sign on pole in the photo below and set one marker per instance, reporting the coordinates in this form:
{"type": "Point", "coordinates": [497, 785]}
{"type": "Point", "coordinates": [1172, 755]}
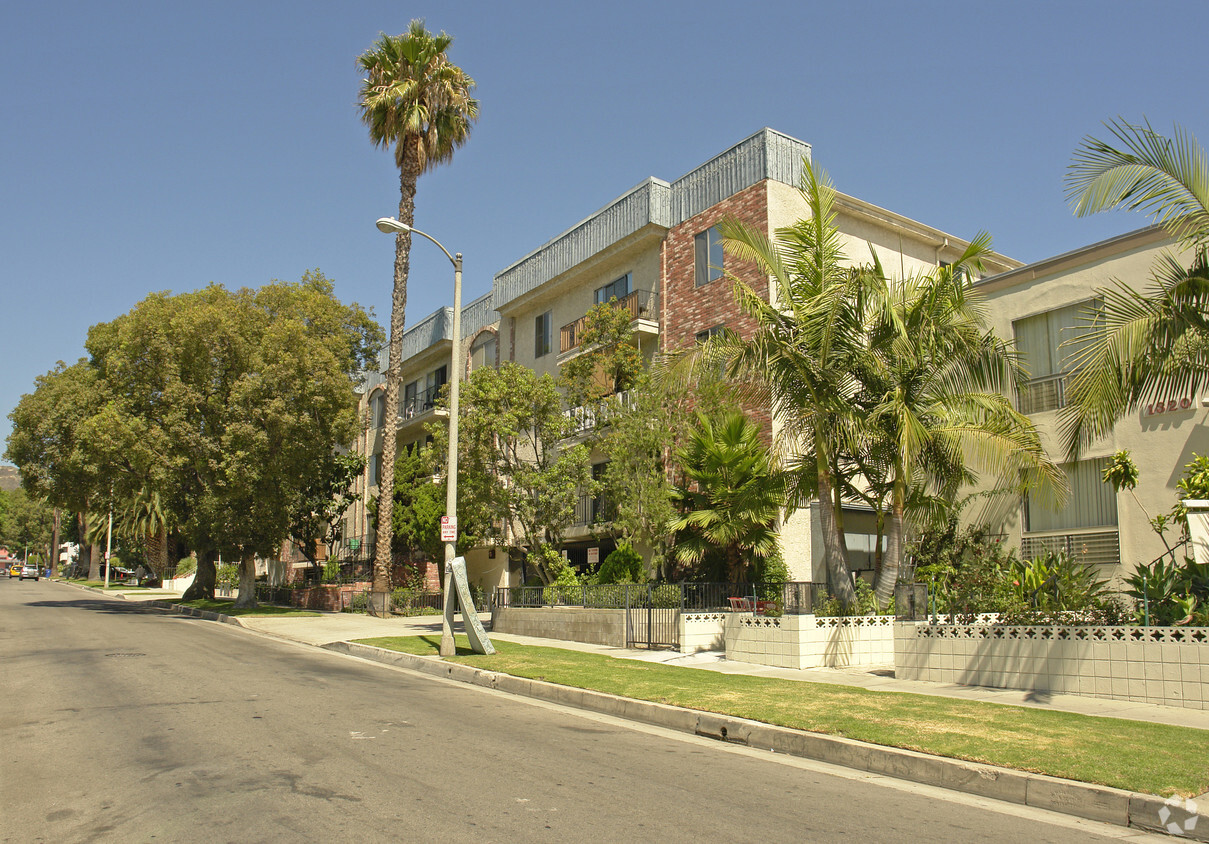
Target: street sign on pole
{"type": "Point", "coordinates": [449, 529]}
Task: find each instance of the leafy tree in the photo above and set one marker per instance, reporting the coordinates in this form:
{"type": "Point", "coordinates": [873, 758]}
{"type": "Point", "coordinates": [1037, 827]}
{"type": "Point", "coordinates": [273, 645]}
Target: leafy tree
{"type": "Point", "coordinates": [732, 497]}
{"type": "Point", "coordinates": [610, 362]}
{"type": "Point", "coordinates": [219, 409]}
{"type": "Point", "coordinates": [322, 502]}
{"type": "Point", "coordinates": [51, 448]}
{"type": "Point", "coordinates": [419, 503]}
{"type": "Point", "coordinates": [640, 440]}
{"type": "Point", "coordinates": [519, 477]}
{"type": "Point", "coordinates": [26, 522]}
{"type": "Point", "coordinates": [414, 100]}
{"type": "Point", "coordinates": [1149, 344]}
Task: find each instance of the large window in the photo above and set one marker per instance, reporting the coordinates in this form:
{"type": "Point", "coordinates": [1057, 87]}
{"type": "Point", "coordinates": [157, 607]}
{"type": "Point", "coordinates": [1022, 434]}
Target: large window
{"type": "Point", "coordinates": [375, 469]}
{"type": "Point", "coordinates": [617, 289]}
{"type": "Point", "coordinates": [482, 351]}
{"type": "Point", "coordinates": [377, 406]}
{"type": "Point", "coordinates": [1048, 343]}
{"type": "Point", "coordinates": [543, 333]}
{"type": "Point", "coordinates": [1092, 502]}
{"type": "Point", "coordinates": [708, 249]}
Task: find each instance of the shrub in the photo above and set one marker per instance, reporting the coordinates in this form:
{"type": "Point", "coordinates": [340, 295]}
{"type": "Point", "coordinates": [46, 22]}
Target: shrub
{"type": "Point", "coordinates": [228, 575]}
{"type": "Point", "coordinates": [331, 570]}
{"type": "Point", "coordinates": [1171, 594]}
{"type": "Point", "coordinates": [186, 566]}
{"type": "Point", "coordinates": [865, 603]}
{"type": "Point", "coordinates": [624, 565]}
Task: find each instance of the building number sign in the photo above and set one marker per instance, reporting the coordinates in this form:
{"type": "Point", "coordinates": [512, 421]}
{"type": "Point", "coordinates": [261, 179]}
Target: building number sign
{"type": "Point", "coordinates": [1169, 406]}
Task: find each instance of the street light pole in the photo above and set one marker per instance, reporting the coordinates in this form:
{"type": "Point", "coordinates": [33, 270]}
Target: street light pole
{"type": "Point", "coordinates": [392, 226]}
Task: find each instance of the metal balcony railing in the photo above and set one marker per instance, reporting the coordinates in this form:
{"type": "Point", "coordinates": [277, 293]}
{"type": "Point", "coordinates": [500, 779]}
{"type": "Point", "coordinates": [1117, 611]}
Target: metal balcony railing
{"type": "Point", "coordinates": [1041, 394]}
{"type": "Point", "coordinates": [409, 408]}
{"type": "Point", "coordinates": [1100, 548]}
{"type": "Point", "coordinates": [642, 304]}
{"type": "Point", "coordinates": [586, 417]}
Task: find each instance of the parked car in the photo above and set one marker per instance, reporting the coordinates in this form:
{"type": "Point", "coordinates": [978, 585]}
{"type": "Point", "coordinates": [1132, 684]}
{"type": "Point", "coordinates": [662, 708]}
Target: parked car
{"type": "Point", "coordinates": [30, 570]}
{"type": "Point", "coordinates": [14, 570]}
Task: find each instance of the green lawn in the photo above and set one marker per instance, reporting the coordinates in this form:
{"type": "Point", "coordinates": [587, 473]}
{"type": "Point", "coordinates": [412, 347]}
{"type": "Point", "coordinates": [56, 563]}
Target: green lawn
{"type": "Point", "coordinates": [1134, 755]}
{"type": "Point", "coordinates": [228, 608]}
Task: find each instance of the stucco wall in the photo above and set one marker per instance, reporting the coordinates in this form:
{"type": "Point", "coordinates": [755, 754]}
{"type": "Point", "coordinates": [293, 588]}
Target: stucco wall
{"type": "Point", "coordinates": [575, 624]}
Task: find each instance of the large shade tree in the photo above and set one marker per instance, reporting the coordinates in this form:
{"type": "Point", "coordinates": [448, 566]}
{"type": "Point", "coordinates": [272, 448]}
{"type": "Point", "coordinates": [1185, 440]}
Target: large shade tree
{"type": "Point", "coordinates": [1141, 345]}
{"type": "Point", "coordinates": [414, 100]}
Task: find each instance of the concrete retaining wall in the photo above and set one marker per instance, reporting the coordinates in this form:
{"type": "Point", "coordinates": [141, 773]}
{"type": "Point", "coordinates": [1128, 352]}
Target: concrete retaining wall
{"type": "Point", "coordinates": [807, 641]}
{"type": "Point", "coordinates": [574, 624]}
{"type": "Point", "coordinates": [1163, 665]}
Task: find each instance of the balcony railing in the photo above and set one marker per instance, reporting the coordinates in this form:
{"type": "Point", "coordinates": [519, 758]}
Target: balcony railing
{"type": "Point", "coordinates": [409, 408]}
{"type": "Point", "coordinates": [592, 511]}
{"type": "Point", "coordinates": [642, 304]}
{"type": "Point", "coordinates": [587, 416]}
{"type": "Point", "coordinates": [1041, 394]}
{"type": "Point", "coordinates": [1100, 548]}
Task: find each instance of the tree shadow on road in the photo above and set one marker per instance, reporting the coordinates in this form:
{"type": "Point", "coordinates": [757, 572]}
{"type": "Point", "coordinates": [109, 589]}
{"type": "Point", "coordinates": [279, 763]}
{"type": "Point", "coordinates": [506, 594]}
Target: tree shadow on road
{"type": "Point", "coordinates": [101, 606]}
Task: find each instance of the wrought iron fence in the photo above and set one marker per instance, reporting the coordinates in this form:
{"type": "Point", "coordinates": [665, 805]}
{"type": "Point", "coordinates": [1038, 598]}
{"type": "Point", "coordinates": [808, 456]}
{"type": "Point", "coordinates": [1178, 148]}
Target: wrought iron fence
{"type": "Point", "coordinates": [795, 598]}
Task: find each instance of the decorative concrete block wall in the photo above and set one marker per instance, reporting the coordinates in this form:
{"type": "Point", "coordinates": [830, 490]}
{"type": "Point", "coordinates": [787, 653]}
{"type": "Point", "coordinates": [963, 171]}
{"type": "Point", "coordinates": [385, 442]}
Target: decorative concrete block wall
{"type": "Point", "coordinates": [575, 624]}
{"type": "Point", "coordinates": [702, 631]}
{"type": "Point", "coordinates": [1163, 665]}
{"type": "Point", "coordinates": [807, 641]}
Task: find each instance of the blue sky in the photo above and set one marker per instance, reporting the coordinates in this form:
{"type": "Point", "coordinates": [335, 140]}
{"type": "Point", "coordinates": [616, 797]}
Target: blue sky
{"type": "Point", "coordinates": [163, 145]}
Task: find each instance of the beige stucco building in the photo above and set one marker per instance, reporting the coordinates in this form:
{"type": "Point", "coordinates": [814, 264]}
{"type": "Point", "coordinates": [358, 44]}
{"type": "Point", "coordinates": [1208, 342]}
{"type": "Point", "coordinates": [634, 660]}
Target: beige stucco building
{"type": "Point", "coordinates": [1041, 305]}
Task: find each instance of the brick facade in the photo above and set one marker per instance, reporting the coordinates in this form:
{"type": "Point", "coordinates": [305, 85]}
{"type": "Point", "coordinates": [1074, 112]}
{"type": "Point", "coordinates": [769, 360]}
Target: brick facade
{"type": "Point", "coordinates": [689, 309]}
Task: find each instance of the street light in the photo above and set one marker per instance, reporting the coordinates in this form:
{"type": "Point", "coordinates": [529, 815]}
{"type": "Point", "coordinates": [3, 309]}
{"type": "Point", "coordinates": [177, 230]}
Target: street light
{"type": "Point", "coordinates": [389, 225]}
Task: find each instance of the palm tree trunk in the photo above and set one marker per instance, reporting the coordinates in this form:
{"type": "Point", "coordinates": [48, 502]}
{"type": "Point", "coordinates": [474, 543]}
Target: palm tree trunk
{"type": "Point", "coordinates": [835, 551]}
{"type": "Point", "coordinates": [409, 174]}
{"type": "Point", "coordinates": [887, 576]}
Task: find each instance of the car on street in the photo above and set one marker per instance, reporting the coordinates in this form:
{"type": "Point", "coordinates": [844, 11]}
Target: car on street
{"type": "Point", "coordinates": [30, 571]}
{"type": "Point", "coordinates": [14, 570]}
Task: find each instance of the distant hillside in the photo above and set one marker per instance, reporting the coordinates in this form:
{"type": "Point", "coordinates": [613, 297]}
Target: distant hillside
{"type": "Point", "coordinates": [9, 479]}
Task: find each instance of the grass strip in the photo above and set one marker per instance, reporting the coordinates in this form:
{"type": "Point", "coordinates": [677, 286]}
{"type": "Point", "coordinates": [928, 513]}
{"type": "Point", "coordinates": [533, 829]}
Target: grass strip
{"type": "Point", "coordinates": [228, 608]}
{"type": "Point", "coordinates": [1133, 755]}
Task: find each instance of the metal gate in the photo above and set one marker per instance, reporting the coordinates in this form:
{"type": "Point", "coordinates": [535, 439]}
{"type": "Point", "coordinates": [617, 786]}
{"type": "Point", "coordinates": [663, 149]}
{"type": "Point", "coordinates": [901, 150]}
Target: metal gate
{"type": "Point", "coordinates": [648, 625]}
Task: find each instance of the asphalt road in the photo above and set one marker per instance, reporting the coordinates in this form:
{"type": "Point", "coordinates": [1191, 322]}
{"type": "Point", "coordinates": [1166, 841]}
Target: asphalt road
{"type": "Point", "coordinates": [120, 722]}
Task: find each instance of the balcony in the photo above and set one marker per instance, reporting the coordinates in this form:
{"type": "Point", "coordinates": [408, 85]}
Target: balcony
{"type": "Point", "coordinates": [1098, 548]}
{"type": "Point", "coordinates": [643, 306]}
{"type": "Point", "coordinates": [1041, 394]}
{"type": "Point", "coordinates": [586, 418]}
{"type": "Point", "coordinates": [591, 511]}
{"type": "Point", "coordinates": [413, 407]}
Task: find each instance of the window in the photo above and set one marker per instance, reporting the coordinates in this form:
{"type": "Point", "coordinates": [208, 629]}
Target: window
{"type": "Point", "coordinates": [410, 406]}
{"type": "Point", "coordinates": [433, 382]}
{"type": "Point", "coordinates": [1047, 342]}
{"type": "Point", "coordinates": [617, 289]}
{"type": "Point", "coordinates": [1092, 502]}
{"type": "Point", "coordinates": [703, 336]}
{"type": "Point", "coordinates": [543, 333]}
{"type": "Point", "coordinates": [708, 248]}
{"type": "Point", "coordinates": [482, 351]}
{"type": "Point", "coordinates": [377, 410]}
{"type": "Point", "coordinates": [375, 469]}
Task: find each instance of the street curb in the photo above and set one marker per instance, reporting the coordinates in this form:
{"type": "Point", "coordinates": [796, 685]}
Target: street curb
{"type": "Point", "coordinates": [1083, 800]}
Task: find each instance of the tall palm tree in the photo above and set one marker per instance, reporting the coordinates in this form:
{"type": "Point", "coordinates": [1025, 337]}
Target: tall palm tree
{"type": "Point", "coordinates": [801, 356]}
{"type": "Point", "coordinates": [414, 100]}
{"type": "Point", "coordinates": [1141, 345]}
{"type": "Point", "coordinates": [731, 497]}
{"type": "Point", "coordinates": [935, 390]}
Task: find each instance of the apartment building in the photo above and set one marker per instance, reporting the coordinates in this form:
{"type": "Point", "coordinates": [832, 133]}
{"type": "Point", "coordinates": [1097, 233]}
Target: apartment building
{"type": "Point", "coordinates": [656, 249]}
{"type": "Point", "coordinates": [1043, 306]}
